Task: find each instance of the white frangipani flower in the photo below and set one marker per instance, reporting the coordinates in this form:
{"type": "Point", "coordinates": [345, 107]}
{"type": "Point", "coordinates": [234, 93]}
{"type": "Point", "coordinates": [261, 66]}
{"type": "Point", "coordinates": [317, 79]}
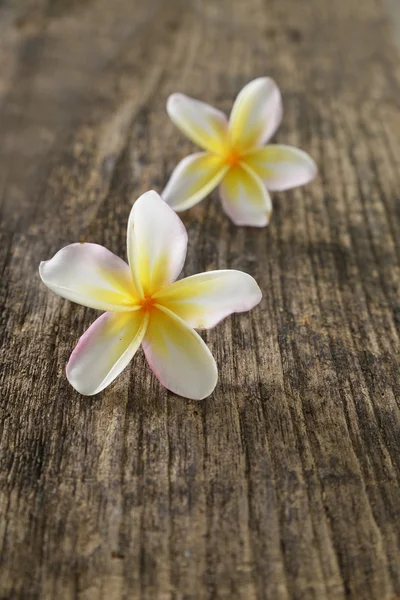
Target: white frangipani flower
{"type": "Point", "coordinates": [235, 157]}
{"type": "Point", "coordinates": [145, 305]}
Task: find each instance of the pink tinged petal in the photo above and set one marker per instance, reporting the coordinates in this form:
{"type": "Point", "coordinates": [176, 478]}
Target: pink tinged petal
{"type": "Point", "coordinates": [256, 114]}
{"type": "Point", "coordinates": [92, 276]}
{"type": "Point", "coordinates": [193, 179]}
{"type": "Point", "coordinates": [178, 356]}
{"type": "Point", "coordinates": [282, 167]}
{"type": "Point", "coordinates": [157, 242]}
{"type": "Point", "coordinates": [204, 125]}
{"type": "Point", "coordinates": [105, 349]}
{"type": "Point", "coordinates": [244, 197]}
{"type": "Point", "coordinates": [205, 299]}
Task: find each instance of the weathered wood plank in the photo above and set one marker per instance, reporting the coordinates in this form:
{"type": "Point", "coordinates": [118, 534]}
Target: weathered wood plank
{"type": "Point", "coordinates": [285, 483]}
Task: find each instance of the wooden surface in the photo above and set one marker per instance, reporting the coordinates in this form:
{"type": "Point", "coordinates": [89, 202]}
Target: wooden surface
{"type": "Point", "coordinates": [284, 484]}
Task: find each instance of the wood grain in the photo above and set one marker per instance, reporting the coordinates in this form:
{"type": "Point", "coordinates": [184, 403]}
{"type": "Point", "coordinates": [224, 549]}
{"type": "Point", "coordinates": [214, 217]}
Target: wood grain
{"type": "Point", "coordinates": [284, 484]}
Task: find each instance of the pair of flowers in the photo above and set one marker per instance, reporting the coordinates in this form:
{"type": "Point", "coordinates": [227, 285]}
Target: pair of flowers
{"type": "Point", "coordinates": [144, 303]}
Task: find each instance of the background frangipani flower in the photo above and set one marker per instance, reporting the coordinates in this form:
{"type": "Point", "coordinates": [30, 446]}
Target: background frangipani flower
{"type": "Point", "coordinates": [234, 156]}
{"type": "Point", "coordinates": [145, 304]}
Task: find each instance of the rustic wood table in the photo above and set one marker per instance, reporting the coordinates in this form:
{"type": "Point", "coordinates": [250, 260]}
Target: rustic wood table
{"type": "Point", "coordinates": [284, 484]}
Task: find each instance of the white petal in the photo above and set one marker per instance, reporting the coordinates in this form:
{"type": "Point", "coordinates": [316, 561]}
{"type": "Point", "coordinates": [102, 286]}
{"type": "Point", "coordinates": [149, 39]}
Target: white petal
{"type": "Point", "coordinates": [178, 356]}
{"type": "Point", "coordinates": [204, 125]}
{"type": "Point", "coordinates": [90, 275]}
{"type": "Point", "coordinates": [105, 350]}
{"type": "Point", "coordinates": [245, 198]}
{"type": "Point", "coordinates": [205, 299]}
{"type": "Point", "coordinates": [193, 179]}
{"type": "Point", "coordinates": [157, 242]}
{"type": "Point", "coordinates": [256, 113]}
{"type": "Point", "coordinates": [282, 167]}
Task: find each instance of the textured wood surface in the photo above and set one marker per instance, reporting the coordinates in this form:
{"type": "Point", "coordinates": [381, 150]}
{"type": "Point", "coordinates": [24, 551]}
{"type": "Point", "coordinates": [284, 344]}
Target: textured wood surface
{"type": "Point", "coordinates": [284, 484]}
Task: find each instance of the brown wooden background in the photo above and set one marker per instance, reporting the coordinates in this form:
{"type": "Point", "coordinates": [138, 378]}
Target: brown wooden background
{"type": "Point", "coordinates": [284, 484]}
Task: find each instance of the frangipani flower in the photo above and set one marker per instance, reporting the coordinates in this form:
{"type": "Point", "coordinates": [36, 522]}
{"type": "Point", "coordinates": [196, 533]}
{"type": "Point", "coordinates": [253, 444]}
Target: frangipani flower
{"type": "Point", "coordinates": [235, 157]}
{"type": "Point", "coordinates": [145, 304]}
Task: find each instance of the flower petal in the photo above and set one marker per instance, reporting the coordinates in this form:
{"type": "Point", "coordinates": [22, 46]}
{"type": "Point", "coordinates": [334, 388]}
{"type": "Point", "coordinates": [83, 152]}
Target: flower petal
{"type": "Point", "coordinates": [178, 356]}
{"type": "Point", "coordinates": [90, 275]}
{"type": "Point", "coordinates": [244, 197]}
{"type": "Point", "coordinates": [157, 242]}
{"type": "Point", "coordinates": [205, 299]}
{"type": "Point", "coordinates": [282, 167]}
{"type": "Point", "coordinates": [256, 113]}
{"type": "Point", "coordinates": [105, 349]}
{"type": "Point", "coordinates": [203, 124]}
{"type": "Point", "coordinates": [194, 177]}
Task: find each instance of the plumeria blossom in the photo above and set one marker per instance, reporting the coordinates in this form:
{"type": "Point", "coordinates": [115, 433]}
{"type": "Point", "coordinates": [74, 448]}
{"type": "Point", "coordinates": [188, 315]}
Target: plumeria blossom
{"type": "Point", "coordinates": [145, 305]}
{"type": "Point", "coordinates": [235, 156]}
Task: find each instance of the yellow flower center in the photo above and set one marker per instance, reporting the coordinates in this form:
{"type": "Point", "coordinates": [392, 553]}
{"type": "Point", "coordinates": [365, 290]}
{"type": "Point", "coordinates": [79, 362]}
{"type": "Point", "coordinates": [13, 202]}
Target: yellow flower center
{"type": "Point", "coordinates": [232, 157]}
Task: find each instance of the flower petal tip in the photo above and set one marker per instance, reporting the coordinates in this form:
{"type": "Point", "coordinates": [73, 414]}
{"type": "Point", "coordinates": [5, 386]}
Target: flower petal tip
{"type": "Point", "coordinates": [41, 266]}
{"type": "Point", "coordinates": [266, 83]}
{"type": "Point", "coordinates": [313, 169]}
{"type": "Point", "coordinates": [259, 224]}
{"type": "Point", "coordinates": [150, 196]}
{"type": "Point", "coordinates": [158, 202]}
{"type": "Point", "coordinates": [173, 100]}
{"type": "Point", "coordinates": [257, 297]}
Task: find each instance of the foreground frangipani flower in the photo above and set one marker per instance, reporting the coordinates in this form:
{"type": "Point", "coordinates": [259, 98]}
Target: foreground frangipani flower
{"type": "Point", "coordinates": [145, 305]}
{"type": "Point", "coordinates": [235, 157]}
